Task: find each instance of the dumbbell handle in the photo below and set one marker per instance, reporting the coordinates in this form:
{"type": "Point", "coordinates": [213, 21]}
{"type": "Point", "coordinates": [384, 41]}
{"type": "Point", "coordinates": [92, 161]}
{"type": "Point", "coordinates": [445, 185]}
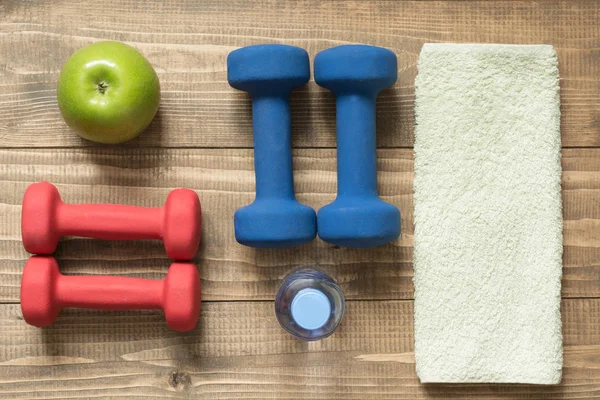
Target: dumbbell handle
{"type": "Point", "coordinates": [356, 146]}
{"type": "Point", "coordinates": [108, 292]}
{"type": "Point", "coordinates": [272, 146]}
{"type": "Point", "coordinates": [109, 221]}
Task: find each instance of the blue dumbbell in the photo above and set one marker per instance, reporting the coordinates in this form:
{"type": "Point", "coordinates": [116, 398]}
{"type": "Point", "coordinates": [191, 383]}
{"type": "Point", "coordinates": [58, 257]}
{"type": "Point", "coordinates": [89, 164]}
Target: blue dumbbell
{"type": "Point", "coordinates": [358, 217]}
{"type": "Point", "coordinates": [269, 73]}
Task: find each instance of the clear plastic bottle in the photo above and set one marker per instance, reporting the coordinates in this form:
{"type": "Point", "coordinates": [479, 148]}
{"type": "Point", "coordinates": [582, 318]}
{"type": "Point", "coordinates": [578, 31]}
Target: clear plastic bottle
{"type": "Point", "coordinates": [309, 304]}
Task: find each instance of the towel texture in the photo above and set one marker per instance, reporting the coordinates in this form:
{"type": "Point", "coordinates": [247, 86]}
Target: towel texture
{"type": "Point", "coordinates": [488, 217]}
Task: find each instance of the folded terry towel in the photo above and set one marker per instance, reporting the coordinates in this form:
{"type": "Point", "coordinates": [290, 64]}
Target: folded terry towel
{"type": "Point", "coordinates": [488, 221]}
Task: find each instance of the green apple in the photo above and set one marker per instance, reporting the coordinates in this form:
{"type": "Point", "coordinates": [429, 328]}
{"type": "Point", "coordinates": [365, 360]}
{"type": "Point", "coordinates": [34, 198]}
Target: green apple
{"type": "Point", "coordinates": [108, 92]}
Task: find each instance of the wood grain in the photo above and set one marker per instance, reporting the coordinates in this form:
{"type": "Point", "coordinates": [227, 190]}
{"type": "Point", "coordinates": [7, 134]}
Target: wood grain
{"type": "Point", "coordinates": [188, 42]}
{"type": "Point", "coordinates": [224, 180]}
{"type": "Point", "coordinates": [202, 139]}
{"type": "Point", "coordinates": [239, 352]}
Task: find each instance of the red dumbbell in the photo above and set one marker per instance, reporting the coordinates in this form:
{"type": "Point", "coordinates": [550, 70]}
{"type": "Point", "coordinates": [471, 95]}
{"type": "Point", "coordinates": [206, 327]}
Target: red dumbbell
{"type": "Point", "coordinates": [44, 291]}
{"type": "Point", "coordinates": [45, 218]}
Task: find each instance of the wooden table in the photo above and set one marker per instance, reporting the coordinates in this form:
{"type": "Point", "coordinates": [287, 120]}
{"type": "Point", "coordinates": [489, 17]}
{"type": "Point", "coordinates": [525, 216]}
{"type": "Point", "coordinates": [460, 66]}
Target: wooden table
{"type": "Point", "coordinates": [202, 139]}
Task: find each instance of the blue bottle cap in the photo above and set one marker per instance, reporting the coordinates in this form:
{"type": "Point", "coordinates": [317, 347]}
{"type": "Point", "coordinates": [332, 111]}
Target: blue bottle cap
{"type": "Point", "coordinates": [310, 308]}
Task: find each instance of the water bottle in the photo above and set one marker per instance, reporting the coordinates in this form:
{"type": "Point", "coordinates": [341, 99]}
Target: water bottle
{"type": "Point", "coordinates": [309, 304]}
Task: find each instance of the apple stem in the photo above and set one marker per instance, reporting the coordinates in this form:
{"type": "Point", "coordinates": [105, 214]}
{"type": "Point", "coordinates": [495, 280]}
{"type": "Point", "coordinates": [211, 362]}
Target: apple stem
{"type": "Point", "coordinates": [102, 86]}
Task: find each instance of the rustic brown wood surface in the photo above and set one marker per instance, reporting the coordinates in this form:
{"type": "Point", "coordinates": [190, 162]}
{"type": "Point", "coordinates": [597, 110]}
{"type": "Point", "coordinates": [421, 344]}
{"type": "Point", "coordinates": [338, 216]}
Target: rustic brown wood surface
{"type": "Point", "coordinates": [202, 139]}
{"type": "Point", "coordinates": [239, 351]}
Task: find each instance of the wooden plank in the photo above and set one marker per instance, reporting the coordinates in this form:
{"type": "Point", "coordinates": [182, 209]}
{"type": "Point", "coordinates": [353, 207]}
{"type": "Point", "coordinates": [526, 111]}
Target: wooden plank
{"type": "Point", "coordinates": [224, 180]}
{"type": "Point", "coordinates": [240, 352]}
{"type": "Point", "coordinates": [188, 41]}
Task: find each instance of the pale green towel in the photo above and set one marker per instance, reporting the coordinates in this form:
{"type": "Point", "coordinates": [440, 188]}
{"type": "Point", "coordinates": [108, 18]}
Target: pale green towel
{"type": "Point", "coordinates": [488, 221]}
